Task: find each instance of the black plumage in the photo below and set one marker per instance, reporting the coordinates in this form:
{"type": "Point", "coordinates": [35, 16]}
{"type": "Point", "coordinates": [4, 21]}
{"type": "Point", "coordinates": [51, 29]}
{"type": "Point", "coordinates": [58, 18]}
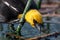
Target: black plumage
{"type": "Point", "coordinates": [9, 13]}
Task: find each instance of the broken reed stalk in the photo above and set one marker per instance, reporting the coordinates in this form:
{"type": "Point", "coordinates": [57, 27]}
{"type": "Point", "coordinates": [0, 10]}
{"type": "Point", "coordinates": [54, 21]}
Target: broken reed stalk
{"type": "Point", "coordinates": [48, 24]}
{"type": "Point", "coordinates": [22, 19]}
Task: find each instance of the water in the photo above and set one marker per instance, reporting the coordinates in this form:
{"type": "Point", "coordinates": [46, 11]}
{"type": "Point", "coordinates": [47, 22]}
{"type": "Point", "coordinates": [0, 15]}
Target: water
{"type": "Point", "coordinates": [32, 32]}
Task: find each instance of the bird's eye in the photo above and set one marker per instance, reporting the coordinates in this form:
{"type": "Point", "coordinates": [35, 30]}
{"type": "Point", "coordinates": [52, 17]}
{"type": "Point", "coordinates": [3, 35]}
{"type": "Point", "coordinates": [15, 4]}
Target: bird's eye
{"type": "Point", "coordinates": [34, 21]}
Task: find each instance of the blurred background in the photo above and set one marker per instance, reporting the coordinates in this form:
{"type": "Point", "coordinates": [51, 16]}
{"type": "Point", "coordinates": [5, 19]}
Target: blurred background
{"type": "Point", "coordinates": [49, 8]}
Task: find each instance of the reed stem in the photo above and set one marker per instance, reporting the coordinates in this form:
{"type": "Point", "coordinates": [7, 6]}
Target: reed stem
{"type": "Point", "coordinates": [39, 4]}
{"type": "Point", "coordinates": [22, 19]}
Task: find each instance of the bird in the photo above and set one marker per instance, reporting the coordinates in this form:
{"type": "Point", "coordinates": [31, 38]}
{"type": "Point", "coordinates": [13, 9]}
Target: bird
{"type": "Point", "coordinates": [33, 17]}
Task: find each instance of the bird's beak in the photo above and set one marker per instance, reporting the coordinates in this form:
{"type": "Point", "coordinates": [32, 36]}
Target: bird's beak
{"type": "Point", "coordinates": [39, 27]}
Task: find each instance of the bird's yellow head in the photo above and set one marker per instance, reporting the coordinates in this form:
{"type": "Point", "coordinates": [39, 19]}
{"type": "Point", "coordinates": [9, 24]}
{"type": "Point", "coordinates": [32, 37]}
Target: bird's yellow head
{"type": "Point", "coordinates": [19, 16]}
{"type": "Point", "coordinates": [33, 15]}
